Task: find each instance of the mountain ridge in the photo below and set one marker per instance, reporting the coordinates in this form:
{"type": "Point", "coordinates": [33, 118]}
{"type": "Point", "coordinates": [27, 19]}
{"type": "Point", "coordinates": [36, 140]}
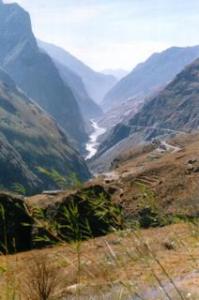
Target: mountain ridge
{"type": "Point", "coordinates": [35, 72]}
{"type": "Point", "coordinates": [118, 73]}
{"type": "Point", "coordinates": [88, 107]}
{"type": "Point", "coordinates": [96, 83]}
{"type": "Point", "coordinates": [153, 74]}
{"type": "Point", "coordinates": [174, 109]}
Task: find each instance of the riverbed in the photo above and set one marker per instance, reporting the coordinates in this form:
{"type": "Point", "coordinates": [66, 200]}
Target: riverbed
{"type": "Point", "coordinates": [92, 145]}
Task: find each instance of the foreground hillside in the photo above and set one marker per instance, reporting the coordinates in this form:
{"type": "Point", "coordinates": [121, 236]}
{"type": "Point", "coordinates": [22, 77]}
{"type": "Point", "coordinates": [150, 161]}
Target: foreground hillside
{"type": "Point", "coordinates": [145, 264]}
{"type": "Point", "coordinates": [150, 203]}
{"type": "Point", "coordinates": [35, 153]}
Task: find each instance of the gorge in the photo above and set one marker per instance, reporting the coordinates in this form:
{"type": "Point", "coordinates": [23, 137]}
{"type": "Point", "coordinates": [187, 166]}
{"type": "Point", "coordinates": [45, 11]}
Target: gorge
{"type": "Point", "coordinates": [92, 145]}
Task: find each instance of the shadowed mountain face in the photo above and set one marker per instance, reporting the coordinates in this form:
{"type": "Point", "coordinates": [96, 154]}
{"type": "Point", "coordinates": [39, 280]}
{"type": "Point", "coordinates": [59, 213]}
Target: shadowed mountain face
{"type": "Point", "coordinates": [175, 109]}
{"type": "Point", "coordinates": [88, 107]}
{"type": "Point", "coordinates": [97, 84]}
{"type": "Point", "coordinates": [35, 73]}
{"type": "Point", "coordinates": [31, 141]}
{"type": "Point", "coordinates": [150, 76]}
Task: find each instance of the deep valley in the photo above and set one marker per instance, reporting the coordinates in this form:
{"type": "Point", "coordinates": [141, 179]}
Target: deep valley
{"type": "Point", "coordinates": [99, 170]}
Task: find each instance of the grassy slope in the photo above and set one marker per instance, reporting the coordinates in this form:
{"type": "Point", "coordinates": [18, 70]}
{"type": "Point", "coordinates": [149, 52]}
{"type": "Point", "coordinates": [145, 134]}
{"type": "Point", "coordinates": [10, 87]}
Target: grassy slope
{"type": "Point", "coordinates": [116, 266]}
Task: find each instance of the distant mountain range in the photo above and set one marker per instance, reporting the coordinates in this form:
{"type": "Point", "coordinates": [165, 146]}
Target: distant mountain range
{"type": "Point", "coordinates": [32, 146]}
{"type": "Point", "coordinates": [117, 73]}
{"type": "Point", "coordinates": [173, 110]}
{"type": "Point", "coordinates": [36, 74]}
{"type": "Point", "coordinates": [97, 84]}
{"type": "Point", "coordinates": [152, 75]}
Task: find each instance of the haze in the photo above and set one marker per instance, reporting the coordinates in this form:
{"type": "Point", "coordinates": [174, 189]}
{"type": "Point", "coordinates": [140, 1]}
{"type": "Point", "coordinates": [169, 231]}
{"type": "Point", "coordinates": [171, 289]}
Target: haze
{"type": "Point", "coordinates": [114, 33]}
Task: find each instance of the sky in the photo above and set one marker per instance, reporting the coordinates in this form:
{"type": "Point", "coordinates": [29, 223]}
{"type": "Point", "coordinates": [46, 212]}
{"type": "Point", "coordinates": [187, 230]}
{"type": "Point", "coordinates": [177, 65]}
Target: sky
{"type": "Point", "coordinates": [112, 34]}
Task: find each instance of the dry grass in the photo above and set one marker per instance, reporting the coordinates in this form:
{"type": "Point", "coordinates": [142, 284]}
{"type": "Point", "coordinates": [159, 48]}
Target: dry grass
{"type": "Point", "coordinates": [168, 175]}
{"type": "Point", "coordinates": [41, 280]}
{"type": "Point", "coordinates": [123, 261]}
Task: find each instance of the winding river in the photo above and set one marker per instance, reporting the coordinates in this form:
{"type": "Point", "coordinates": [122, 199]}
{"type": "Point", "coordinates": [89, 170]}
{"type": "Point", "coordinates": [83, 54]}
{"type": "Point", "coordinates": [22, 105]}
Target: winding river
{"type": "Point", "coordinates": [91, 146]}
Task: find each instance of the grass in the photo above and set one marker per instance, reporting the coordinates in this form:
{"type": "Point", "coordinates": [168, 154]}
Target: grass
{"type": "Point", "coordinates": [116, 266]}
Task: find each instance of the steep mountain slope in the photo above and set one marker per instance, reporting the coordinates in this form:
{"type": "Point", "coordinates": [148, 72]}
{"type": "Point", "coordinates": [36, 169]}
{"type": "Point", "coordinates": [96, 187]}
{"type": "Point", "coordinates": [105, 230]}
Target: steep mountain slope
{"type": "Point", "coordinates": [32, 144]}
{"type": "Point", "coordinates": [35, 72]}
{"type": "Point", "coordinates": [151, 75]}
{"type": "Point", "coordinates": [175, 109]}
{"type": "Point", "coordinates": [97, 84]}
{"type": "Point", "coordinates": [88, 107]}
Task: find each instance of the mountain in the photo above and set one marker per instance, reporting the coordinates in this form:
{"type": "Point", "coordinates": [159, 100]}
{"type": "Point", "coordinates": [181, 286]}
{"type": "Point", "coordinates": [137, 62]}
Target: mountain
{"type": "Point", "coordinates": [117, 73]}
{"type": "Point", "coordinates": [177, 106]}
{"type": "Point", "coordinates": [148, 77]}
{"type": "Point", "coordinates": [33, 147]}
{"type": "Point", "coordinates": [35, 73]}
{"type": "Point", "coordinates": [174, 110]}
{"type": "Point", "coordinates": [88, 107]}
{"type": "Point", "coordinates": [97, 84]}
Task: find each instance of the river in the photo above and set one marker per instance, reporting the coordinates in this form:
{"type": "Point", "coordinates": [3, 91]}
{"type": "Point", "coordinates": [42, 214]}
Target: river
{"type": "Point", "coordinates": [91, 146]}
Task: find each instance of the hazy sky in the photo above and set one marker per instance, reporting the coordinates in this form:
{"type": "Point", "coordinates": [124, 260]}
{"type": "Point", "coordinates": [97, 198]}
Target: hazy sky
{"type": "Point", "coordinates": [115, 33]}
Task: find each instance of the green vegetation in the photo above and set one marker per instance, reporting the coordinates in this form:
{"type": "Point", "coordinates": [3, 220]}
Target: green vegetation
{"type": "Point", "coordinates": [62, 182]}
{"type": "Point", "coordinates": [150, 213]}
{"type": "Point", "coordinates": [86, 214]}
{"type": "Point", "coordinates": [18, 188]}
